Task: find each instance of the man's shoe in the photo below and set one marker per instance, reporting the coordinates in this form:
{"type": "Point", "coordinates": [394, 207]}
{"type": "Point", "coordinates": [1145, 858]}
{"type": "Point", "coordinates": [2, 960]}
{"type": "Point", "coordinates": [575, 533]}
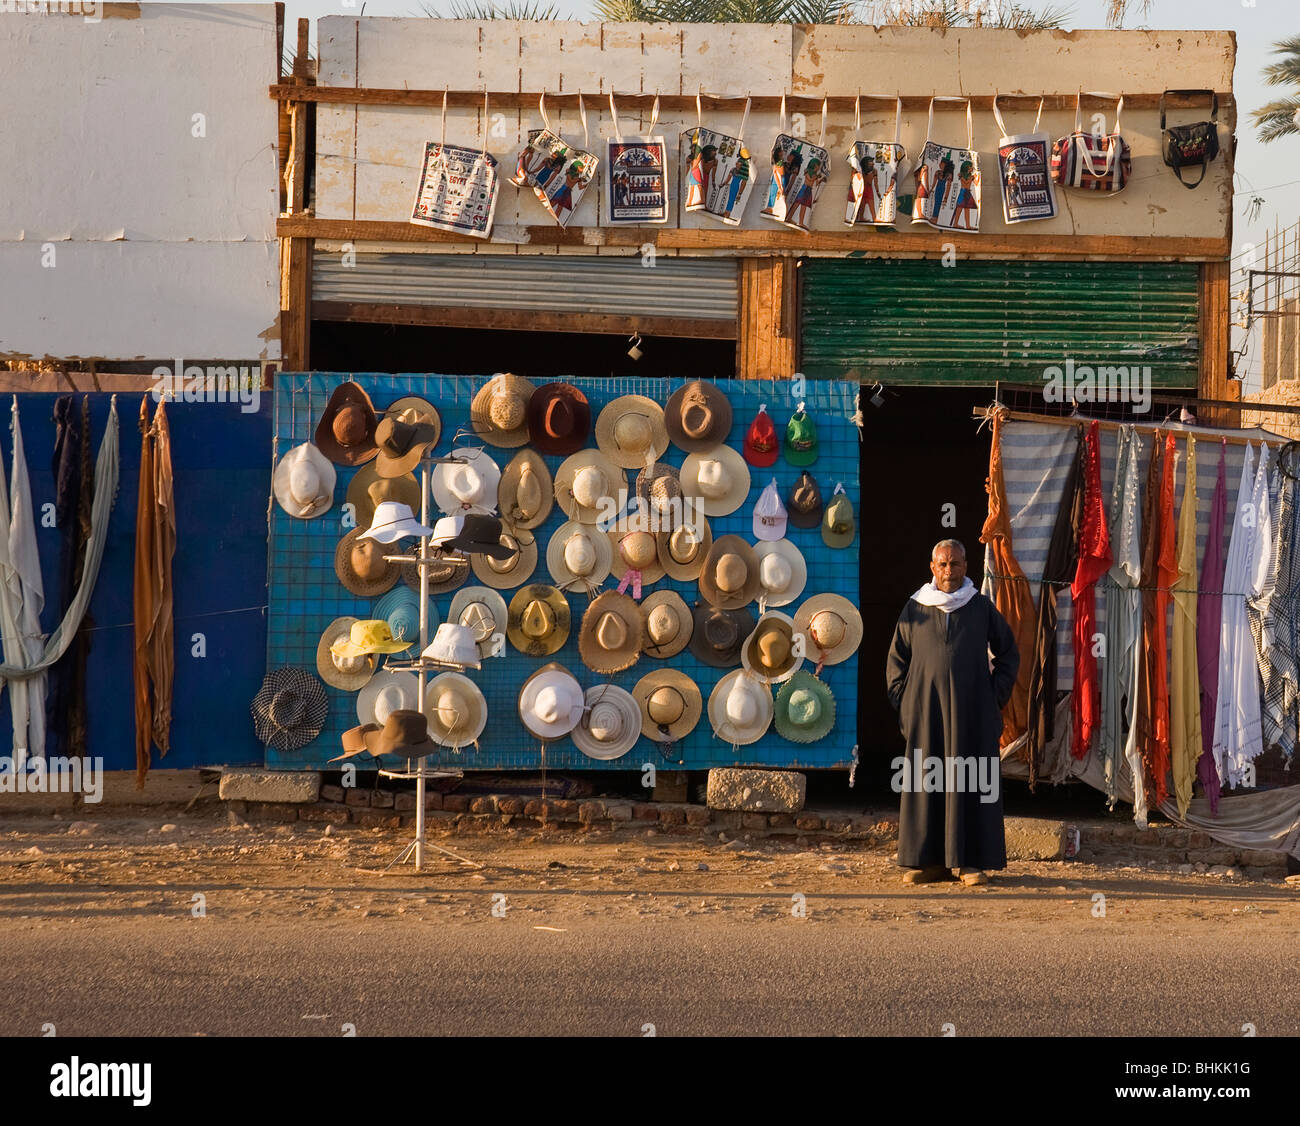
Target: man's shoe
{"type": "Point", "coordinates": [925, 875]}
{"type": "Point", "coordinates": [972, 876]}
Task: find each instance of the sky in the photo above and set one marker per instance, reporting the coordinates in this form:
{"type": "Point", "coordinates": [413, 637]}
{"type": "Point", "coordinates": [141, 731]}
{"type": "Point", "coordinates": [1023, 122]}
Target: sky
{"type": "Point", "coordinates": [1270, 171]}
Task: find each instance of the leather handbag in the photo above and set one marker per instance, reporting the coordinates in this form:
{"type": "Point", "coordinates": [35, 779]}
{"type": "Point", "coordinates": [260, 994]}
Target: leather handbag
{"type": "Point", "coordinates": [1185, 146]}
{"type": "Point", "coordinates": [1091, 161]}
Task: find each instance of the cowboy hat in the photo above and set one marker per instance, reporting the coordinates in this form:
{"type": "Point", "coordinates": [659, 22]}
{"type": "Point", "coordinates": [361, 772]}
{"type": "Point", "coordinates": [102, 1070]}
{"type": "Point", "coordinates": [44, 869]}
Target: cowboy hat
{"type": "Point", "coordinates": [683, 550]}
{"type": "Point", "coordinates": [729, 577]}
{"type": "Point", "coordinates": [670, 704]}
{"type": "Point", "coordinates": [361, 567]}
{"type": "Point", "coordinates": [659, 496]}
{"type": "Point", "coordinates": [838, 525]}
{"type": "Point", "coordinates": [717, 635]}
{"type": "Point", "coordinates": [471, 534]}
{"type": "Point", "coordinates": [770, 652]}
{"type": "Point", "coordinates": [402, 444]}
{"type": "Point", "coordinates": [538, 621]}
{"type": "Point", "coordinates": [516, 568]}
{"type": "Point", "coordinates": [832, 628]}
{"type": "Point", "coordinates": [740, 708]}
{"type": "Point", "coordinates": [782, 572]}
{"type": "Point", "coordinates": [387, 691]}
{"type": "Point", "coordinates": [526, 492]}
{"type": "Point", "coordinates": [770, 515]}
{"type": "Point", "coordinates": [303, 482]}
{"type": "Point", "coordinates": [609, 639]}
{"type": "Point", "coordinates": [499, 410]}
{"type": "Point", "coordinates": [800, 438]}
{"type": "Point", "coordinates": [630, 431]}
{"type": "Point", "coordinates": [698, 417]}
{"type": "Point", "coordinates": [393, 521]}
{"type": "Point", "coordinates": [667, 624]}
{"type": "Point", "coordinates": [367, 491]}
{"type": "Point", "coordinates": [404, 734]}
{"type": "Point", "coordinates": [369, 635]}
{"type": "Point", "coordinates": [348, 673]}
{"type": "Point", "coordinates": [805, 709]}
{"type": "Point", "coordinates": [354, 741]}
{"type": "Point", "coordinates": [412, 409]}
{"type": "Point", "coordinates": [444, 574]}
{"type": "Point", "coordinates": [483, 610]}
{"type": "Point", "coordinates": [346, 431]}
{"type": "Point", "coordinates": [804, 508]}
{"type": "Point", "coordinates": [455, 709]}
{"type": "Point", "coordinates": [453, 645]}
{"type": "Point", "coordinates": [578, 554]}
{"type": "Point", "coordinates": [400, 608]}
{"type": "Point", "coordinates": [559, 419]}
{"type": "Point", "coordinates": [290, 709]}
{"type": "Point", "coordinates": [466, 485]}
{"type": "Point", "coordinates": [634, 548]}
{"type": "Point", "coordinates": [589, 487]}
{"type": "Point", "coordinates": [551, 702]}
{"type": "Point", "coordinates": [610, 724]}
{"type": "Point", "coordinates": [761, 444]}
{"type": "Point", "coordinates": [717, 481]}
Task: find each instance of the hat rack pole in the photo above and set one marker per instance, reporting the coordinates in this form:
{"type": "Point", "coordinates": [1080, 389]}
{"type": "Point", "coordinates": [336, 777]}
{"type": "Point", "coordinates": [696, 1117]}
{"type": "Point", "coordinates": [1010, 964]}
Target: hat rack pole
{"type": "Point", "coordinates": [424, 642]}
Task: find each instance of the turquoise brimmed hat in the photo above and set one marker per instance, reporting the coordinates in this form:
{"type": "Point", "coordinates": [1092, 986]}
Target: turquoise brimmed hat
{"type": "Point", "coordinates": [805, 709]}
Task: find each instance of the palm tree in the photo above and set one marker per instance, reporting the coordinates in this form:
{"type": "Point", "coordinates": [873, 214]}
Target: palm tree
{"type": "Point", "coordinates": [1278, 119]}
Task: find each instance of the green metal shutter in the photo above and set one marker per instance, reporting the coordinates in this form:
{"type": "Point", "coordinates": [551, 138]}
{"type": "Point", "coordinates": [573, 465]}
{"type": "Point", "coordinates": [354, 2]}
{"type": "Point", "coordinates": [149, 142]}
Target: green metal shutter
{"type": "Point", "coordinates": [974, 323]}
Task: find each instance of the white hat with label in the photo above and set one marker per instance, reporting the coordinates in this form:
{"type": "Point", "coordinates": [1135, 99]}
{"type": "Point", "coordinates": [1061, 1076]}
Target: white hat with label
{"type": "Point", "coordinates": [769, 514]}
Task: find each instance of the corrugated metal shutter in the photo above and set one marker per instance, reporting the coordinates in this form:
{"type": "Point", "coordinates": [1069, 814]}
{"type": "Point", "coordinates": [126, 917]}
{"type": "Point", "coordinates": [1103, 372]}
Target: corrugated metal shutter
{"type": "Point", "coordinates": [698, 288]}
{"type": "Point", "coordinates": [977, 322]}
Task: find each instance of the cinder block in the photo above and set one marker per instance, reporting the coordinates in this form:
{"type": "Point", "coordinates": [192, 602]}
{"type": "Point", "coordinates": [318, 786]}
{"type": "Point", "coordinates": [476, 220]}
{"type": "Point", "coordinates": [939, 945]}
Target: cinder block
{"type": "Point", "coordinates": [756, 791]}
{"type": "Point", "coordinates": [239, 784]}
{"type": "Point", "coordinates": [1033, 838]}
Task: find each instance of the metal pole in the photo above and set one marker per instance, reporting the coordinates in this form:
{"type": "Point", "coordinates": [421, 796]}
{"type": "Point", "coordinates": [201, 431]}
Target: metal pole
{"type": "Point", "coordinates": [424, 641]}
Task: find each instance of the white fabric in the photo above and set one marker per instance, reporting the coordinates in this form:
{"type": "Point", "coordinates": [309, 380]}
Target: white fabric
{"type": "Point", "coordinates": [931, 595]}
{"type": "Point", "coordinates": [28, 695]}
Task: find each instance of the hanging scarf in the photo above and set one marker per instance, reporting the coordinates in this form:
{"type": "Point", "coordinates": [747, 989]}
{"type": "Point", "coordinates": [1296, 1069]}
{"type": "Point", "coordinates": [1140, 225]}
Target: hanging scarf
{"type": "Point", "coordinates": [1159, 570]}
{"type": "Point", "coordinates": [931, 595]}
{"type": "Point", "coordinates": [67, 486]}
{"type": "Point", "coordinates": [1276, 629]}
{"type": "Point", "coordinates": [1209, 615]}
{"type": "Point", "coordinates": [1094, 561]}
{"type": "Point", "coordinates": [1184, 692]}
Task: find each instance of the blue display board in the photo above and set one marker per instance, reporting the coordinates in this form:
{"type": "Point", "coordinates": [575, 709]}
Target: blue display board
{"type": "Point", "coordinates": [305, 594]}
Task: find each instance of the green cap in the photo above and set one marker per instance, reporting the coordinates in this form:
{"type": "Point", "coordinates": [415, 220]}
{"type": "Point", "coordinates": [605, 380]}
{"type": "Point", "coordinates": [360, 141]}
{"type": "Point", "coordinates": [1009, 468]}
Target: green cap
{"type": "Point", "coordinates": [801, 439]}
{"type": "Point", "coordinates": [838, 525]}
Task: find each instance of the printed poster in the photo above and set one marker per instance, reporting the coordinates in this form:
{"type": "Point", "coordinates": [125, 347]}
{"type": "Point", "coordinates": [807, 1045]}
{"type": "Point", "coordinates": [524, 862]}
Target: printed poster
{"type": "Point", "coordinates": [637, 183]}
{"type": "Point", "coordinates": [799, 172]}
{"type": "Point", "coordinates": [1024, 171]}
{"type": "Point", "coordinates": [873, 188]}
{"type": "Point", "coordinates": [719, 174]}
{"type": "Point", "coordinates": [558, 173]}
{"type": "Point", "coordinates": [457, 190]}
{"type": "Point", "coordinates": [947, 188]}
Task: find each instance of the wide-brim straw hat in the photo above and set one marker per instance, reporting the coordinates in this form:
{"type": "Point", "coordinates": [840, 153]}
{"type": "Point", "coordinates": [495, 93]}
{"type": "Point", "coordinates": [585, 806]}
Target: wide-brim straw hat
{"type": "Point", "coordinates": [602, 492]}
{"type": "Point", "coordinates": [538, 620]}
{"type": "Point", "coordinates": [444, 576]}
{"type": "Point", "coordinates": [832, 628]}
{"type": "Point", "coordinates": [781, 551]}
{"type": "Point", "coordinates": [455, 708]}
{"type": "Point", "coordinates": [358, 670]}
{"type": "Point", "coordinates": [729, 578]}
{"type": "Point", "coordinates": [400, 608]}
{"type": "Point", "coordinates": [634, 548]}
{"type": "Point", "coordinates": [559, 419]}
{"type": "Point", "coordinates": [484, 611]}
{"type": "Point", "coordinates": [670, 705]}
{"type": "Point", "coordinates": [659, 496]}
{"type": "Point", "coordinates": [526, 493]}
{"type": "Point", "coordinates": [413, 408]}
{"type": "Point", "coordinates": [698, 417]}
{"type": "Point", "coordinates": [629, 428]}
{"type": "Point", "coordinates": [506, 574]}
{"type": "Point", "coordinates": [290, 709]}
{"type": "Point", "coordinates": [379, 575]}
{"type": "Point", "coordinates": [346, 431]}
{"type": "Point", "coordinates": [740, 708]}
{"type": "Point", "coordinates": [696, 534]}
{"type": "Point", "coordinates": [402, 444]}
{"type": "Point", "coordinates": [718, 636]}
{"type": "Point", "coordinates": [665, 613]}
{"type": "Point", "coordinates": [303, 482]}
{"type": "Point", "coordinates": [717, 481]}
{"type": "Point", "coordinates": [470, 485]}
{"type": "Point", "coordinates": [499, 410]}
{"type": "Point", "coordinates": [573, 545]}
{"type": "Point", "coordinates": [610, 724]}
{"type": "Point", "coordinates": [387, 691]}
{"type": "Point", "coordinates": [367, 490]}
{"type": "Point", "coordinates": [551, 702]}
{"type": "Point", "coordinates": [609, 639]}
{"type": "Point", "coordinates": [805, 709]}
{"type": "Point", "coordinates": [769, 652]}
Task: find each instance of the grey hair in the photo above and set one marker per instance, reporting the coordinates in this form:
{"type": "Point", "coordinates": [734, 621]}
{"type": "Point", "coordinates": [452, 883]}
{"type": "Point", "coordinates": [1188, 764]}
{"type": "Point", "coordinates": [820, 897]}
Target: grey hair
{"type": "Point", "coordinates": [948, 543]}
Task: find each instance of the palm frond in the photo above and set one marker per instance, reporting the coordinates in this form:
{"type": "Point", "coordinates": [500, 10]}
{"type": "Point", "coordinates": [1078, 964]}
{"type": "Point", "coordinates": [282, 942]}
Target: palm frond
{"type": "Point", "coordinates": [1286, 72]}
{"type": "Point", "coordinates": [1116, 10]}
{"type": "Point", "coordinates": [1277, 119]}
{"type": "Point", "coordinates": [491, 10]}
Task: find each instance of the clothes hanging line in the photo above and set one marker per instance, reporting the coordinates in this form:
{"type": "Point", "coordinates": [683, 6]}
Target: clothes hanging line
{"type": "Point", "coordinates": [1200, 433]}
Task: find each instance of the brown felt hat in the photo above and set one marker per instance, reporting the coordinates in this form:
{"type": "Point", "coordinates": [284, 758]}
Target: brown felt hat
{"type": "Point", "coordinates": [719, 635]}
{"type": "Point", "coordinates": [361, 567]}
{"type": "Point", "coordinates": [667, 624]}
{"type": "Point", "coordinates": [559, 419]}
{"type": "Point", "coordinates": [698, 417]}
{"type": "Point", "coordinates": [609, 639]}
{"type": "Point", "coordinates": [499, 411]}
{"type": "Point", "coordinates": [538, 620]}
{"type": "Point", "coordinates": [730, 577]}
{"type": "Point", "coordinates": [346, 431]}
{"type": "Point", "coordinates": [526, 492]}
{"type": "Point", "coordinates": [367, 490]}
{"type": "Point", "coordinates": [405, 734]}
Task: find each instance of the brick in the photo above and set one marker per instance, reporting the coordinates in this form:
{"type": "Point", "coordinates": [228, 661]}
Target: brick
{"type": "Point", "coordinates": [564, 810]}
{"type": "Point", "coordinates": [404, 802]}
{"type": "Point", "coordinates": [756, 791]}
{"type": "Point", "coordinates": [456, 803]}
{"type": "Point", "coordinates": [331, 793]}
{"type": "Point", "coordinates": [377, 818]}
{"type": "Point", "coordinates": [780, 820]}
{"type": "Point", "coordinates": [698, 815]}
{"type": "Point", "coordinates": [753, 820]}
{"type": "Point", "coordinates": [672, 815]}
{"type": "Point", "coordinates": [727, 818]}
{"type": "Point", "coordinates": [281, 786]}
{"type": "Point", "coordinates": [1177, 838]}
{"type": "Point", "coordinates": [512, 806]}
{"type": "Point", "coordinates": [1263, 858]}
{"type": "Point", "coordinates": [432, 799]}
{"type": "Point", "coordinates": [1123, 834]}
{"type": "Point", "coordinates": [670, 785]}
{"type": "Point", "coordinates": [358, 798]}
{"type": "Point", "coordinates": [485, 804]}
{"type": "Point", "coordinates": [382, 799]}
{"type": "Point", "coordinates": [808, 822]}
{"type": "Point", "coordinates": [590, 811]}
{"type": "Point", "coordinates": [443, 816]}
{"type": "Point", "coordinates": [645, 811]}
{"type": "Point", "coordinates": [1215, 856]}
{"type": "Point", "coordinates": [272, 811]}
{"type": "Point", "coordinates": [533, 807]}
{"type": "Point", "coordinates": [1147, 837]}
{"type": "Point", "coordinates": [334, 814]}
{"type": "Point", "coordinates": [836, 824]}
{"type": "Point", "coordinates": [618, 810]}
{"type": "Point", "coordinates": [1197, 839]}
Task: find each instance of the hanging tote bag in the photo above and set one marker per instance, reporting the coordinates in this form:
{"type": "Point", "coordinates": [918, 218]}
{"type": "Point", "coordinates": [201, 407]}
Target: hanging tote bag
{"type": "Point", "coordinates": [1185, 146]}
{"type": "Point", "coordinates": [800, 170]}
{"type": "Point", "coordinates": [636, 183]}
{"type": "Point", "coordinates": [719, 170]}
{"type": "Point", "coordinates": [877, 168]}
{"type": "Point", "coordinates": [1024, 172]}
{"type": "Point", "coordinates": [558, 173]}
{"type": "Point", "coordinates": [1095, 162]}
{"type": "Point", "coordinates": [457, 190]}
{"type": "Point", "coordinates": [948, 180]}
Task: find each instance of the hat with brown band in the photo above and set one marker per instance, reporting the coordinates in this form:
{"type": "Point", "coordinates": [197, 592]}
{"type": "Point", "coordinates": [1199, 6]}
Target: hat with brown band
{"type": "Point", "coordinates": [402, 444]}
{"type": "Point", "coordinates": [361, 567]}
{"type": "Point", "coordinates": [670, 703]}
{"type": "Point", "coordinates": [579, 555]}
{"type": "Point", "coordinates": [832, 628]}
{"type": "Point", "coordinates": [499, 411]}
{"type": "Point", "coordinates": [698, 417]}
{"type": "Point", "coordinates": [346, 431]}
{"type": "Point", "coordinates": [609, 639]}
{"type": "Point", "coordinates": [719, 634]}
{"type": "Point", "coordinates": [683, 550]}
{"type": "Point", "coordinates": [730, 577]}
{"type": "Point", "coordinates": [368, 490]}
{"type": "Point", "coordinates": [538, 620]}
{"type": "Point", "coordinates": [526, 492]}
{"type": "Point", "coordinates": [668, 624]}
{"type": "Point", "coordinates": [516, 568]}
{"type": "Point", "coordinates": [770, 652]}
{"type": "Point", "coordinates": [559, 419]}
{"type": "Point", "coordinates": [630, 431]}
{"type": "Point", "coordinates": [444, 574]}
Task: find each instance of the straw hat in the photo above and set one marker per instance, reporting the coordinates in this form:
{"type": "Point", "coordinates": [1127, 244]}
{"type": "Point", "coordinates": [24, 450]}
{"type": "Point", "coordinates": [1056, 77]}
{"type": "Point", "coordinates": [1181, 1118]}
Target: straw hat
{"type": "Point", "coordinates": [444, 575]}
{"type": "Point", "coordinates": [290, 709]}
{"type": "Point", "coordinates": [698, 417]}
{"type": "Point", "coordinates": [346, 431]}
{"type": "Point", "coordinates": [578, 554]}
{"type": "Point", "coordinates": [717, 481]}
{"type": "Point", "coordinates": [387, 691]}
{"type": "Point", "coordinates": [455, 709]}
{"type": "Point", "coordinates": [348, 673]}
{"type": "Point", "coordinates": [400, 608]}
{"type": "Point", "coordinates": [609, 639]}
{"type": "Point", "coordinates": [453, 645]}
{"type": "Point", "coordinates": [838, 525]}
{"type": "Point", "coordinates": [718, 635]}
{"type": "Point", "coordinates": [740, 708]}
{"type": "Point", "coordinates": [559, 419]}
{"type": "Point", "coordinates": [402, 444]}
{"type": "Point", "coordinates": [526, 492]}
{"type": "Point", "coordinates": [729, 577]}
{"type": "Point", "coordinates": [393, 521]}
{"type": "Point", "coordinates": [683, 550]}
{"type": "Point", "coordinates": [659, 496]}
{"type": "Point", "coordinates": [516, 568]}
{"type": "Point", "coordinates": [538, 621]}
{"type": "Point", "coordinates": [369, 635]}
{"type": "Point", "coordinates": [589, 487]}
{"type": "Point", "coordinates": [670, 704]}
{"type": "Point", "coordinates": [303, 482]}
{"type": "Point", "coordinates": [769, 652]}
{"type": "Point", "coordinates": [610, 724]}
{"type": "Point", "coordinates": [484, 611]}
{"type": "Point", "coordinates": [805, 709]}
{"type": "Point", "coordinates": [630, 431]}
{"type": "Point", "coordinates": [367, 491]}
{"type": "Point", "coordinates": [805, 505]}
{"type": "Point", "coordinates": [499, 411]}
{"type": "Point", "coordinates": [832, 628]}
{"type": "Point", "coordinates": [469, 485]}
{"type": "Point", "coordinates": [667, 624]}
{"type": "Point", "coordinates": [551, 702]}
{"type": "Point", "coordinates": [782, 571]}
{"type": "Point", "coordinates": [634, 548]}
{"type": "Point", "coordinates": [413, 409]}
{"type": "Point", "coordinates": [361, 567]}
{"type": "Point", "coordinates": [404, 734]}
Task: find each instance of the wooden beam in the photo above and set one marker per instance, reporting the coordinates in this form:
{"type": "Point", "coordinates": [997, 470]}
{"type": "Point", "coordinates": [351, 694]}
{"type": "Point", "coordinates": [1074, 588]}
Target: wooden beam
{"type": "Point", "coordinates": [521, 320]}
{"type": "Point", "coordinates": [302, 63]}
{"type": "Point", "coordinates": [295, 307]}
{"type": "Point", "coordinates": [1215, 334]}
{"type": "Point", "coordinates": [765, 347]}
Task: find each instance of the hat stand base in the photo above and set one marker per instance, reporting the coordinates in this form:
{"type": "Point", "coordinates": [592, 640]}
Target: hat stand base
{"type": "Point", "coordinates": [420, 776]}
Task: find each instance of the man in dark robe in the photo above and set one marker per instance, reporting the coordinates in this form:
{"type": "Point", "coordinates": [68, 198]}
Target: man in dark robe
{"type": "Point", "coordinates": [949, 703]}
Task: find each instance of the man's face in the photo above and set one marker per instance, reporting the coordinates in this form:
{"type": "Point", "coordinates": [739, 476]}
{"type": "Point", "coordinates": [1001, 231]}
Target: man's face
{"type": "Point", "coordinates": [949, 569]}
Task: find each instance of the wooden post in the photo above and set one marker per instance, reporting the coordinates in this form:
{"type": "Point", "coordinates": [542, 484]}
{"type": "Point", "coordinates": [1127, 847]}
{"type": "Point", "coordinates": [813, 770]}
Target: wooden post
{"type": "Point", "coordinates": [296, 253]}
{"type": "Point", "coordinates": [1215, 337]}
{"type": "Point", "coordinates": [767, 332]}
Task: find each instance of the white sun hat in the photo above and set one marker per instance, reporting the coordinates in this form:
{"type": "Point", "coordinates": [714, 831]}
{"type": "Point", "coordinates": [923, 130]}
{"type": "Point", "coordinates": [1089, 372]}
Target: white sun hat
{"type": "Point", "coordinates": [551, 702]}
{"type": "Point", "coordinates": [610, 725]}
{"type": "Point", "coordinates": [386, 692]}
{"type": "Point", "coordinates": [578, 554]}
{"type": "Point", "coordinates": [393, 521]}
{"type": "Point", "coordinates": [303, 482]}
{"type": "Point", "coordinates": [717, 481]}
{"type": "Point", "coordinates": [453, 645]}
{"type": "Point", "coordinates": [740, 708]}
{"type": "Point", "coordinates": [782, 571]}
{"type": "Point", "coordinates": [468, 485]}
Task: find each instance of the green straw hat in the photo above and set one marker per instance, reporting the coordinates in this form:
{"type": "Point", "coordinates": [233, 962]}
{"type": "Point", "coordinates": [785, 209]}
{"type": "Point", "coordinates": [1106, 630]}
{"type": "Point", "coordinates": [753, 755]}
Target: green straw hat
{"type": "Point", "coordinates": [805, 709]}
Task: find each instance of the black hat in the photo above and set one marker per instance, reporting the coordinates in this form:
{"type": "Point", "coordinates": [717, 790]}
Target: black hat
{"type": "Point", "coordinates": [804, 505]}
{"type": "Point", "coordinates": [473, 534]}
{"type": "Point", "coordinates": [719, 635]}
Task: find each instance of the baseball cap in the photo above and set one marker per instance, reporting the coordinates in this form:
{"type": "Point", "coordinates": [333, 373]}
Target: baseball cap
{"type": "Point", "coordinates": [801, 438]}
{"type": "Point", "coordinates": [769, 514]}
{"type": "Point", "coordinates": [761, 447]}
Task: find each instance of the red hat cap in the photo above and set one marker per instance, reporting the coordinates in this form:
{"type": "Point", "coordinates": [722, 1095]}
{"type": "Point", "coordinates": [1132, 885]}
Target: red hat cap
{"type": "Point", "coordinates": [761, 444]}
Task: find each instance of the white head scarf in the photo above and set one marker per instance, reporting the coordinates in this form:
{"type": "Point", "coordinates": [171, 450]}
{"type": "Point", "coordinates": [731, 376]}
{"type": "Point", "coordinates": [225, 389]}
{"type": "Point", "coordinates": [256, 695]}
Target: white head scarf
{"type": "Point", "coordinates": [931, 595]}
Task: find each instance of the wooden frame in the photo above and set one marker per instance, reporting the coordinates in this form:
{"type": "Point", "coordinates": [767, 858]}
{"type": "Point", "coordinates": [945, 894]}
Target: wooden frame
{"type": "Point", "coordinates": [1215, 332]}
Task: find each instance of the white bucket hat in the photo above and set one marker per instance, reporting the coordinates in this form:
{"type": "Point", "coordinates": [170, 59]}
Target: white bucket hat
{"type": "Point", "coordinates": [483, 611]}
{"type": "Point", "coordinates": [393, 521]}
{"type": "Point", "coordinates": [610, 725]}
{"type": "Point", "coordinates": [453, 645]}
{"type": "Point", "coordinates": [469, 485]}
{"type": "Point", "coordinates": [455, 708]}
{"type": "Point", "coordinates": [386, 692]}
{"type": "Point", "coordinates": [551, 702]}
{"type": "Point", "coordinates": [303, 482]}
{"type": "Point", "coordinates": [578, 554]}
{"type": "Point", "coordinates": [717, 481]}
{"type": "Point", "coordinates": [740, 708]}
{"type": "Point", "coordinates": [782, 571]}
